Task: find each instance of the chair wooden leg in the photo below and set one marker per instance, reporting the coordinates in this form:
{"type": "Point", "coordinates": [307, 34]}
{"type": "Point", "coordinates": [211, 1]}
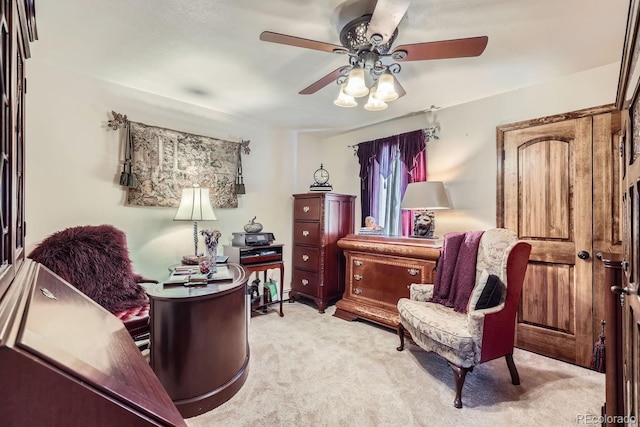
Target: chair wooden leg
{"type": "Point", "coordinates": [459, 374]}
{"type": "Point", "coordinates": [401, 335]}
{"type": "Point", "coordinates": [515, 378]}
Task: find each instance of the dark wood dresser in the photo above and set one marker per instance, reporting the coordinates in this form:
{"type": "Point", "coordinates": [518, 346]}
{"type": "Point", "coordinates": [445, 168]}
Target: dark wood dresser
{"type": "Point", "coordinates": [66, 361]}
{"type": "Point", "coordinates": [319, 221]}
{"type": "Point", "coordinates": [379, 271]}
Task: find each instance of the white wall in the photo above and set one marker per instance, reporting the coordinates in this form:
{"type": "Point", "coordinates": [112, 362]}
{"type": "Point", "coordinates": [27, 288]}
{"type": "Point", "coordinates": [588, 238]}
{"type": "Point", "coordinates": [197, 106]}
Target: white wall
{"type": "Point", "coordinates": [74, 163]}
{"type": "Point", "coordinates": [465, 155]}
{"type": "Point", "coordinates": [73, 160]}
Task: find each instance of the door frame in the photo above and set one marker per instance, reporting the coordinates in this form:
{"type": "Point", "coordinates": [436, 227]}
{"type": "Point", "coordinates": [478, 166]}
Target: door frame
{"type": "Point", "coordinates": [605, 122]}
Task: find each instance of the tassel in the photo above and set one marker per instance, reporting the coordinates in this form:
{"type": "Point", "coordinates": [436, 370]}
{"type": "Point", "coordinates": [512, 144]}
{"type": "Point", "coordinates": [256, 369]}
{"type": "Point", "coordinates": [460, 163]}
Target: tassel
{"type": "Point", "coordinates": [598, 362]}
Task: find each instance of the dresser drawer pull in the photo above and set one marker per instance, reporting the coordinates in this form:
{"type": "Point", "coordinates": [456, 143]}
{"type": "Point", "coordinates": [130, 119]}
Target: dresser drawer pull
{"type": "Point", "coordinates": [306, 208]}
{"type": "Point", "coordinates": [47, 293]}
{"type": "Point", "coordinates": [305, 233]}
{"type": "Point", "coordinates": [357, 277]}
{"type": "Point", "coordinates": [357, 291]}
{"type": "Point", "coordinates": [357, 263]}
{"type": "Point", "coordinates": [413, 271]}
{"type": "Point", "coordinates": [304, 282]}
{"type": "Point", "coordinates": [305, 257]}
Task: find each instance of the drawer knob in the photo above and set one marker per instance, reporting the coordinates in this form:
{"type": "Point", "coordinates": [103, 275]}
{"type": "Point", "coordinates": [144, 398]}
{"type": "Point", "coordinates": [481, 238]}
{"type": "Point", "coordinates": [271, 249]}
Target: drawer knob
{"type": "Point", "coordinates": [304, 282]}
{"type": "Point", "coordinates": [305, 257]}
{"type": "Point", "coordinates": [357, 277]}
{"type": "Point", "coordinates": [357, 263]}
{"type": "Point", "coordinates": [306, 209]}
{"type": "Point", "coordinates": [413, 271]}
{"type": "Point", "coordinates": [357, 291]}
{"type": "Point", "coordinates": [305, 233]}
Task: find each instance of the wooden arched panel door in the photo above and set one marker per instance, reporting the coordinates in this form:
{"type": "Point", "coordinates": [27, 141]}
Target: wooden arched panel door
{"type": "Point", "coordinates": [548, 176]}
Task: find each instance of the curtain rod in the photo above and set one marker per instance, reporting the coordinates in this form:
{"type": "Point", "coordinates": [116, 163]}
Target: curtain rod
{"type": "Point", "coordinates": [429, 133]}
{"type": "Point", "coordinates": [121, 120]}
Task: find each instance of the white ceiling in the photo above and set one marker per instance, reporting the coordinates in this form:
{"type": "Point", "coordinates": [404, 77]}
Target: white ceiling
{"type": "Point", "coordinates": [208, 52]}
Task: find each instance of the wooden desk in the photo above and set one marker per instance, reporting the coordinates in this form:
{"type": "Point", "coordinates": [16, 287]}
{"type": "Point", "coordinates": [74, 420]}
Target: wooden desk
{"type": "Point", "coordinates": [66, 361]}
{"type": "Point", "coordinates": [255, 259]}
{"type": "Point", "coordinates": [199, 347]}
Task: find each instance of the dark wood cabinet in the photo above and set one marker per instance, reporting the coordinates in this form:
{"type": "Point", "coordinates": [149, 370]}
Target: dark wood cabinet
{"type": "Point", "coordinates": [17, 29]}
{"type": "Point", "coordinates": [67, 361]}
{"type": "Point", "coordinates": [319, 221]}
{"type": "Point", "coordinates": [379, 270]}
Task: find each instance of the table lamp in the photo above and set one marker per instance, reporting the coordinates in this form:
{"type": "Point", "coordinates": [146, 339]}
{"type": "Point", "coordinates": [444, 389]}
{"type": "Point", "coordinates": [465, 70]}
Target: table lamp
{"type": "Point", "coordinates": [195, 206]}
{"type": "Point", "coordinates": [425, 196]}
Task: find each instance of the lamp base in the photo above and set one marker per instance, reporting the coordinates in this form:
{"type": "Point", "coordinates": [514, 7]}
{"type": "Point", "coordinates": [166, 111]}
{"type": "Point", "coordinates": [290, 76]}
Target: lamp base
{"type": "Point", "coordinates": [193, 259]}
{"type": "Point", "coordinates": [415, 236]}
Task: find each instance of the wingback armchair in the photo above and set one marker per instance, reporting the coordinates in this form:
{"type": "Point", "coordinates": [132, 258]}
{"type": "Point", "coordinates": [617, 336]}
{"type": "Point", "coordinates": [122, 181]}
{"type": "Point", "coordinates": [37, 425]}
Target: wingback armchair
{"type": "Point", "coordinates": [95, 260]}
{"type": "Point", "coordinates": [486, 330]}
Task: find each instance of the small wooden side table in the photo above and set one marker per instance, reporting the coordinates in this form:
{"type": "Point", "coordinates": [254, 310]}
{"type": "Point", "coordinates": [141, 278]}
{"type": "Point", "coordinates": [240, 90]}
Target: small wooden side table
{"type": "Point", "coordinates": [259, 259]}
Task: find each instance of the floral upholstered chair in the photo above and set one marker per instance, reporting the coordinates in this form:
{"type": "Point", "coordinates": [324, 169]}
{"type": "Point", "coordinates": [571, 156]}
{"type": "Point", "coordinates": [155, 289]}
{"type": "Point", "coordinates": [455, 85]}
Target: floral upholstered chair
{"type": "Point", "coordinates": [486, 330]}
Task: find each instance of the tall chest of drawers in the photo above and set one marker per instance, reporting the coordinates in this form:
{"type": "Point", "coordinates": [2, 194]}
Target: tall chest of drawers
{"type": "Point", "coordinates": [319, 221]}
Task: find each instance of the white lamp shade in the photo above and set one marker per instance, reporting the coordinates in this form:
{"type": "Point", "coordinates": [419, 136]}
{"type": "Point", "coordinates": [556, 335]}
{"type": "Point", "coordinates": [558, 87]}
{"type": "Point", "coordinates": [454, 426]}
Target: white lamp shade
{"type": "Point", "coordinates": [374, 104]}
{"type": "Point", "coordinates": [344, 100]}
{"type": "Point", "coordinates": [386, 88]}
{"type": "Point", "coordinates": [356, 86]}
{"type": "Point", "coordinates": [195, 205]}
{"type": "Point", "coordinates": [429, 195]}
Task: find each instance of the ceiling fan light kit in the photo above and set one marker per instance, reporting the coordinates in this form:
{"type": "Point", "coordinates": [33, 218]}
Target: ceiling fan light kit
{"type": "Point", "coordinates": [374, 104]}
{"type": "Point", "coordinates": [344, 100]}
{"type": "Point", "coordinates": [386, 89]}
{"type": "Point", "coordinates": [355, 86]}
{"type": "Point", "coordinates": [367, 41]}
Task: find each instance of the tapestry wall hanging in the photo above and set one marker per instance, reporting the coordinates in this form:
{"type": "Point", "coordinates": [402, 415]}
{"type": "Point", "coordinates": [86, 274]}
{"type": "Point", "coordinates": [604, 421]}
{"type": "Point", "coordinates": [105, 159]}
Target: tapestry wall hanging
{"type": "Point", "coordinates": [164, 161]}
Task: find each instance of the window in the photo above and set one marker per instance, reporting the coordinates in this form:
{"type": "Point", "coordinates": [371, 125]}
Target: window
{"type": "Point", "coordinates": [387, 166]}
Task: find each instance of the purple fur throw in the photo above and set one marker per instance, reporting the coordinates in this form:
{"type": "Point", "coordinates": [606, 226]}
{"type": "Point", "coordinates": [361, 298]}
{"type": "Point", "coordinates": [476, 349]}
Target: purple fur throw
{"type": "Point", "coordinates": [95, 260]}
{"type": "Point", "coordinates": [456, 272]}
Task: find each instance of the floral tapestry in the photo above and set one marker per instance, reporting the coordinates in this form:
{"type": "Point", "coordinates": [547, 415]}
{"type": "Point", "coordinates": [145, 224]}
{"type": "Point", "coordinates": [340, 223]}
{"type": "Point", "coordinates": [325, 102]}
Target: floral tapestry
{"type": "Point", "coordinates": [165, 161]}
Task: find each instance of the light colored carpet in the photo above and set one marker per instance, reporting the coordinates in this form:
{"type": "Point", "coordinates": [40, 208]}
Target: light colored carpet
{"type": "Point", "coordinates": [311, 369]}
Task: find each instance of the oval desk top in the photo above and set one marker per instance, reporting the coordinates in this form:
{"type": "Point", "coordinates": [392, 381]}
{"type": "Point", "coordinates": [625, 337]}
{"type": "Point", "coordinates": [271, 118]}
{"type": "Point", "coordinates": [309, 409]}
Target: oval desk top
{"type": "Point", "coordinates": [161, 291]}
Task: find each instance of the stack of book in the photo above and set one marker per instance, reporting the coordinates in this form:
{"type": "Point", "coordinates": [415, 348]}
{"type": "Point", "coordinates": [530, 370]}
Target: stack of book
{"type": "Point", "coordinates": [271, 292]}
{"type": "Point", "coordinates": [320, 187]}
{"type": "Point", "coordinates": [191, 276]}
{"type": "Point", "coordinates": [371, 231]}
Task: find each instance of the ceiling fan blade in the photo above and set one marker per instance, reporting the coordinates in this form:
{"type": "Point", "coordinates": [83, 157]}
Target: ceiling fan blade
{"type": "Point", "coordinates": [331, 77]}
{"type": "Point", "coordinates": [268, 36]}
{"type": "Point", "coordinates": [458, 48]}
{"type": "Point", "coordinates": [386, 17]}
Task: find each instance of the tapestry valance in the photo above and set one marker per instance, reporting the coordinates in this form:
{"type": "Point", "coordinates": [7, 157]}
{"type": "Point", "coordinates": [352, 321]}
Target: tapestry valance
{"type": "Point", "coordinates": [164, 161]}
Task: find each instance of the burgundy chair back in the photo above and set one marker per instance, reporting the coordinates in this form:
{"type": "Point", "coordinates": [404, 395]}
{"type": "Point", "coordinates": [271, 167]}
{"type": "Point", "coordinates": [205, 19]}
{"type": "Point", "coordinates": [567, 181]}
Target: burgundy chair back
{"type": "Point", "coordinates": [498, 335]}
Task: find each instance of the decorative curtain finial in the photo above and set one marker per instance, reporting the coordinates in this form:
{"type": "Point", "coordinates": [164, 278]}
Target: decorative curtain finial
{"type": "Point", "coordinates": [244, 146]}
{"type": "Point", "coordinates": [432, 129]}
{"type": "Point", "coordinates": [117, 121]}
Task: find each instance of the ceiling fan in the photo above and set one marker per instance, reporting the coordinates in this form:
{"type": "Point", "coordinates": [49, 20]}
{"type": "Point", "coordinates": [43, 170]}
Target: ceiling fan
{"type": "Point", "coordinates": [367, 40]}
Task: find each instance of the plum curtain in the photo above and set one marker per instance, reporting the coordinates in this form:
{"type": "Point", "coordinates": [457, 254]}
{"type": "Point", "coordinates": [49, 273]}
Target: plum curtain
{"type": "Point", "coordinates": [394, 161]}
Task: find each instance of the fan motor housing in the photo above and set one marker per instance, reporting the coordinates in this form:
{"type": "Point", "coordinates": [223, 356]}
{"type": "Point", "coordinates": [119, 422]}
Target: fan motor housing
{"type": "Point", "coordinates": [354, 36]}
